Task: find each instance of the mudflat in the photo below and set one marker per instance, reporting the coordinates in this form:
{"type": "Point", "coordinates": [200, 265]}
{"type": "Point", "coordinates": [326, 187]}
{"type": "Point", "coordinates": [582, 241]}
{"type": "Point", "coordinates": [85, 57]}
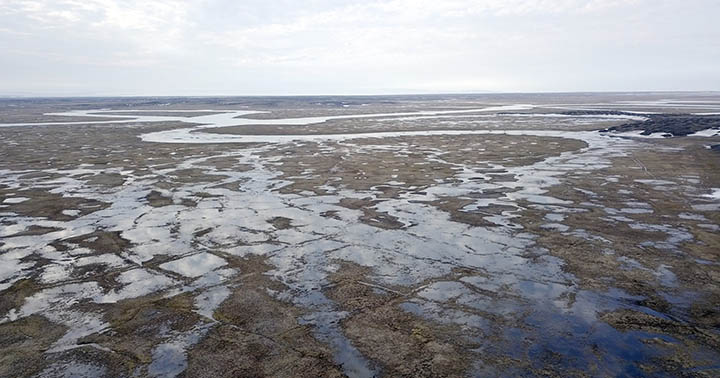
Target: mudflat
{"type": "Point", "coordinates": [419, 236]}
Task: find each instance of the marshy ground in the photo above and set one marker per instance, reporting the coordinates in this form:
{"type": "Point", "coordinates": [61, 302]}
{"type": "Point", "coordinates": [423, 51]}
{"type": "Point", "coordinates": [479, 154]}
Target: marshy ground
{"type": "Point", "coordinates": [487, 236]}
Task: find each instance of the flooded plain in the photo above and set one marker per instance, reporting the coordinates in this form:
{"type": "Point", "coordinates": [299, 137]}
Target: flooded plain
{"type": "Point", "coordinates": [476, 235]}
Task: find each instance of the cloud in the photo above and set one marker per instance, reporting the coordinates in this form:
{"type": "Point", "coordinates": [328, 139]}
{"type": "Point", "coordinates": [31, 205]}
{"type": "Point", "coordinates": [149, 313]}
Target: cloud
{"type": "Point", "coordinates": [347, 45]}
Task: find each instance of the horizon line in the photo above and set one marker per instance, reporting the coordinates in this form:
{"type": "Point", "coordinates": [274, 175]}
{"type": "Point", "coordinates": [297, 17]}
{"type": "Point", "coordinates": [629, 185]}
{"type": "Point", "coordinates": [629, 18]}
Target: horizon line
{"type": "Point", "coordinates": [41, 96]}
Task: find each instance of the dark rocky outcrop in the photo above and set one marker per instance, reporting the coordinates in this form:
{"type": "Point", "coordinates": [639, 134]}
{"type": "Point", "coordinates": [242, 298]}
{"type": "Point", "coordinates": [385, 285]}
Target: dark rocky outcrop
{"type": "Point", "coordinates": [671, 124]}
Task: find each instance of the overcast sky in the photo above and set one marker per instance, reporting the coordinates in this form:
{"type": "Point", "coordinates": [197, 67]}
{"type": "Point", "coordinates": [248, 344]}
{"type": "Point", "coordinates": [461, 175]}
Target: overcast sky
{"type": "Point", "coordinates": [207, 47]}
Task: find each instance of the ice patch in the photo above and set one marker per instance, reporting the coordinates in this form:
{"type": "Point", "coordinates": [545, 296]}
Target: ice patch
{"type": "Point", "coordinates": [137, 282]}
{"type": "Point", "coordinates": [706, 133]}
{"type": "Point", "coordinates": [207, 302]}
{"type": "Point", "coordinates": [15, 200]}
{"type": "Point", "coordinates": [195, 265]}
{"type": "Point", "coordinates": [715, 194]}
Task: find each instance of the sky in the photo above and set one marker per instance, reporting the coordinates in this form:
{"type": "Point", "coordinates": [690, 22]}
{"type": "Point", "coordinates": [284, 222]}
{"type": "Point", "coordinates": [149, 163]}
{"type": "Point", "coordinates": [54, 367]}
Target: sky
{"type": "Point", "coordinates": [286, 47]}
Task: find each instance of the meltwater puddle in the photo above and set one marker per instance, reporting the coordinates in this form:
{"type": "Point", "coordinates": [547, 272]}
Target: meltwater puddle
{"type": "Point", "coordinates": [235, 117]}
